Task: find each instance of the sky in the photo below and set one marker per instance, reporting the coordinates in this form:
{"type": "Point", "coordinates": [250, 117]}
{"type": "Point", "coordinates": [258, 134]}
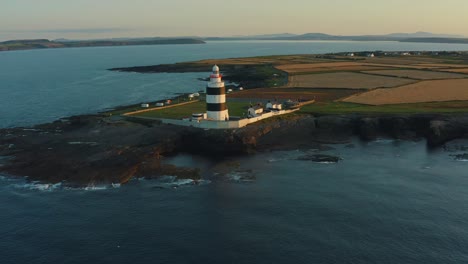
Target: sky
{"type": "Point", "coordinates": [88, 19]}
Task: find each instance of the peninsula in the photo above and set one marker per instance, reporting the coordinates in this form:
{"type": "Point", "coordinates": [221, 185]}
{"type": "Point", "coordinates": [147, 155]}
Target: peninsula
{"type": "Point", "coordinates": [366, 95]}
{"type": "Point", "coordinates": [48, 44]}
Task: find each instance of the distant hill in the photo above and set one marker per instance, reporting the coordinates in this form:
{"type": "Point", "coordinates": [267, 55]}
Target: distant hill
{"type": "Point", "coordinates": [268, 36]}
{"type": "Point", "coordinates": [323, 36]}
{"type": "Point", "coordinates": [422, 35]}
{"type": "Point", "coordinates": [62, 43]}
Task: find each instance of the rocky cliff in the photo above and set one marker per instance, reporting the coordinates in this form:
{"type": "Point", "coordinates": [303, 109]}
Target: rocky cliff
{"type": "Point", "coordinates": [95, 149]}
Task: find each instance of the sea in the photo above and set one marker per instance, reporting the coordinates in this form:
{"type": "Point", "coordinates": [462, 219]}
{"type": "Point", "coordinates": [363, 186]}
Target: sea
{"type": "Point", "coordinates": [385, 201]}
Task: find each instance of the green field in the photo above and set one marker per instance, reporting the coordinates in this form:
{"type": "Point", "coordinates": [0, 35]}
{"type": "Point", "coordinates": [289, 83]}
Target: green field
{"type": "Point", "coordinates": [235, 109]}
{"type": "Point", "coordinates": [240, 109]}
{"type": "Point", "coordinates": [348, 108]}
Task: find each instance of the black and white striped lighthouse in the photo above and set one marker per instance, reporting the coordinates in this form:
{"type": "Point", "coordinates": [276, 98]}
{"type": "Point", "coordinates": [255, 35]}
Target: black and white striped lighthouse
{"type": "Point", "coordinates": [216, 97]}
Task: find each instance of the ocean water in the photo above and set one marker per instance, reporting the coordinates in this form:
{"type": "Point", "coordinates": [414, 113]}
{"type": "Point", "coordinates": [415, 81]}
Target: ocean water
{"type": "Point", "coordinates": [38, 86]}
{"type": "Point", "coordinates": [395, 202]}
{"type": "Point", "coordinates": [386, 202]}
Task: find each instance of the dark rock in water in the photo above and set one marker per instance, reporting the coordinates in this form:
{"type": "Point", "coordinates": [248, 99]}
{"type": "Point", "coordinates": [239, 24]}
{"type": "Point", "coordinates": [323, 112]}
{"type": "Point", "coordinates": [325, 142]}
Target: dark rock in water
{"type": "Point", "coordinates": [320, 158]}
{"type": "Point", "coordinates": [455, 146]}
{"type": "Point", "coordinates": [239, 176]}
{"type": "Point", "coordinates": [460, 157]}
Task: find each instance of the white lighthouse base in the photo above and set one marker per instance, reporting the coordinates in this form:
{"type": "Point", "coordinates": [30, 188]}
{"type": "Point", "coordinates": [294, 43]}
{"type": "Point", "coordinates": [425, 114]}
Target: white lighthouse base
{"type": "Point", "coordinates": [212, 124]}
{"type": "Point", "coordinates": [218, 115]}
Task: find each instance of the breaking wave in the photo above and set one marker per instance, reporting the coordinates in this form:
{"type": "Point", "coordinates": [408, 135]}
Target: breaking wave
{"type": "Point", "coordinates": [166, 182]}
{"type": "Point", "coordinates": [23, 184]}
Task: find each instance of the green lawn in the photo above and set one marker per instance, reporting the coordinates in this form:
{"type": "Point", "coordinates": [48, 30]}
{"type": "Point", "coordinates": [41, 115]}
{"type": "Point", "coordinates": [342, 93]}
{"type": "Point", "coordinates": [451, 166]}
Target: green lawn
{"type": "Point", "coordinates": [235, 109]}
{"type": "Point", "coordinates": [240, 108]}
{"type": "Point", "coordinates": [346, 108]}
{"type": "Point", "coordinates": [136, 107]}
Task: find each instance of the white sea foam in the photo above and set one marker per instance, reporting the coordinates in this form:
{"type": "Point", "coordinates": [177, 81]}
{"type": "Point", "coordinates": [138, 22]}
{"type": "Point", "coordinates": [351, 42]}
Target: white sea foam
{"type": "Point", "coordinates": [325, 162]}
{"type": "Point", "coordinates": [37, 186]}
{"type": "Point", "coordinates": [383, 141]}
{"type": "Point", "coordinates": [240, 176]}
{"type": "Point", "coordinates": [184, 182]}
{"type": "Point", "coordinates": [166, 182]}
{"type": "Point", "coordinates": [50, 187]}
{"type": "Point", "coordinates": [275, 160]}
{"type": "Point", "coordinates": [82, 143]}
{"type": "Point", "coordinates": [96, 187]}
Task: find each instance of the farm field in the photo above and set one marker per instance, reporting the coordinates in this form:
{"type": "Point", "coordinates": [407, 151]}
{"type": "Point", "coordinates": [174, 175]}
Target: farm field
{"type": "Point", "coordinates": [417, 74]}
{"type": "Point", "coordinates": [409, 60]}
{"type": "Point", "coordinates": [425, 91]}
{"type": "Point", "coordinates": [338, 83]}
{"type": "Point", "coordinates": [442, 65]}
{"type": "Point", "coordinates": [345, 80]}
{"type": "Point", "coordinates": [327, 67]}
{"type": "Point", "coordinates": [282, 94]}
{"type": "Point", "coordinates": [347, 108]}
{"type": "Point", "coordinates": [461, 70]}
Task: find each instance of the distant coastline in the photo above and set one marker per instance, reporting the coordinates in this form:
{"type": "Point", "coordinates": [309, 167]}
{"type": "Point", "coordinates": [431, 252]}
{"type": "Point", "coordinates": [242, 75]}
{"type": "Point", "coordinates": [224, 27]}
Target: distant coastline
{"type": "Point", "coordinates": [48, 44]}
{"type": "Point", "coordinates": [418, 37]}
{"type": "Point", "coordinates": [437, 40]}
{"type": "Point", "coordinates": [421, 37]}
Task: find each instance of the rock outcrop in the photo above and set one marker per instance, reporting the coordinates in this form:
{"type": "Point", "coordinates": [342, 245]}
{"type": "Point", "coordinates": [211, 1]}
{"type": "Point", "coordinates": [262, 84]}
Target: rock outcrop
{"type": "Point", "coordinates": [446, 129]}
{"type": "Point", "coordinates": [94, 149]}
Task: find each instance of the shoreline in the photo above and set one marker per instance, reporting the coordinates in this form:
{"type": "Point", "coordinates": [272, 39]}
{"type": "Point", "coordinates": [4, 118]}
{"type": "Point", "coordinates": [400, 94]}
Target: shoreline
{"type": "Point", "coordinates": [108, 147]}
{"type": "Point", "coordinates": [98, 149]}
{"type": "Point", "coordinates": [34, 44]}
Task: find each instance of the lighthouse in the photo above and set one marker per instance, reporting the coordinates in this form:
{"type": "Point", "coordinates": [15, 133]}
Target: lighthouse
{"type": "Point", "coordinates": [216, 97]}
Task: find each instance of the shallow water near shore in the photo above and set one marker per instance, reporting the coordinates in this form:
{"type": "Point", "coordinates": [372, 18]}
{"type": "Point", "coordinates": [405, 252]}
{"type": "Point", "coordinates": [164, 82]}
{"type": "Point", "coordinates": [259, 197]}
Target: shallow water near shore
{"type": "Point", "coordinates": [386, 201]}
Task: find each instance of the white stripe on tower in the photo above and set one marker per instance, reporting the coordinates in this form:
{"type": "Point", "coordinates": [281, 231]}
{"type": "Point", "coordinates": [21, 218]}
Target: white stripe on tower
{"type": "Point", "coordinates": [216, 97]}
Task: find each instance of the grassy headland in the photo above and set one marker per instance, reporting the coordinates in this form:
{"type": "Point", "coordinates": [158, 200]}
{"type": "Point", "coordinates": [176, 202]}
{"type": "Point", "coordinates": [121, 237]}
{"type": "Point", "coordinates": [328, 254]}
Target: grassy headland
{"type": "Point", "coordinates": [321, 77]}
{"type": "Point", "coordinates": [47, 44]}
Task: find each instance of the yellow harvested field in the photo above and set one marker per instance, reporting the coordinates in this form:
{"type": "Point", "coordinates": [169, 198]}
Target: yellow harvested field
{"type": "Point", "coordinates": [348, 80]}
{"type": "Point", "coordinates": [462, 70]}
{"type": "Point", "coordinates": [425, 91]}
{"type": "Point", "coordinates": [418, 75]}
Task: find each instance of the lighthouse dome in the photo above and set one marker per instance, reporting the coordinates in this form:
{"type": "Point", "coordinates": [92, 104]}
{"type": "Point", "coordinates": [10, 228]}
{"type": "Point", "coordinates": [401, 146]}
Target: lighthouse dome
{"type": "Point", "coordinates": [215, 68]}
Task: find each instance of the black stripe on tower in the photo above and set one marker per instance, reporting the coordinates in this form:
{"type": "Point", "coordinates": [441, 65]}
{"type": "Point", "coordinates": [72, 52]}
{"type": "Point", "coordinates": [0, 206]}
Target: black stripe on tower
{"type": "Point", "coordinates": [216, 107]}
{"type": "Point", "coordinates": [215, 91]}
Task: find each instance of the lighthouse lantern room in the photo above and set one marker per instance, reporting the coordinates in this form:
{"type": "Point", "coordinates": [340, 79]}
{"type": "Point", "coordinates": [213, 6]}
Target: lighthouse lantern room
{"type": "Point", "coordinates": [216, 97]}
